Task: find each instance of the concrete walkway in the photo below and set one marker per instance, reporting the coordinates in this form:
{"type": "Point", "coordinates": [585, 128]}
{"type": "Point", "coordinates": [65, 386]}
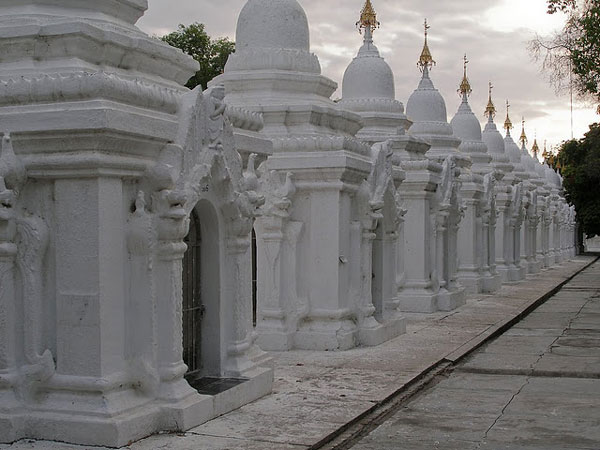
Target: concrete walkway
{"type": "Point", "coordinates": [536, 387]}
{"type": "Point", "coordinates": [317, 394]}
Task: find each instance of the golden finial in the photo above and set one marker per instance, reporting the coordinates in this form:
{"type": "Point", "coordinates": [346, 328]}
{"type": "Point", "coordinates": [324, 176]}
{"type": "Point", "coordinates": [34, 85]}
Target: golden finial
{"type": "Point", "coordinates": [368, 18]}
{"type": "Point", "coordinates": [490, 110]}
{"type": "Point", "coordinates": [535, 148]}
{"type": "Point", "coordinates": [426, 61]}
{"type": "Point", "coordinates": [465, 87]}
{"type": "Point", "coordinates": [507, 123]}
{"type": "Point", "coordinates": [546, 154]}
{"type": "Point", "coordinates": [523, 139]}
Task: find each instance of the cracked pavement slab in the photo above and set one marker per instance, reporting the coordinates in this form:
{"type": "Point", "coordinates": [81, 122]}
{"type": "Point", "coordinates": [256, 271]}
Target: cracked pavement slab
{"type": "Point", "coordinates": [535, 387]}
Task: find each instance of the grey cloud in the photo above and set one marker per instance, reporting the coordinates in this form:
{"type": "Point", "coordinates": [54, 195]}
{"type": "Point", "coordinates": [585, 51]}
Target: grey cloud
{"type": "Point", "coordinates": [457, 27]}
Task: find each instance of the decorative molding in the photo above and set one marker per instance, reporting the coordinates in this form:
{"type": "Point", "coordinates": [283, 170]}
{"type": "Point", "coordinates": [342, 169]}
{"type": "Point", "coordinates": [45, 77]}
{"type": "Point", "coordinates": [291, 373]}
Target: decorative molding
{"type": "Point", "coordinates": [291, 60]}
{"type": "Point", "coordinates": [319, 143]}
{"type": "Point", "coordinates": [244, 119]}
{"type": "Point", "coordinates": [87, 86]}
{"type": "Point", "coordinates": [384, 105]}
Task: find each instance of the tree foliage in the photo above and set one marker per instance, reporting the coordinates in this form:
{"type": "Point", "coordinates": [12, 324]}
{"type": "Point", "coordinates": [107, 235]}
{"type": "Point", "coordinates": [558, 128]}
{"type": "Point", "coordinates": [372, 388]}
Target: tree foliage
{"type": "Point", "coordinates": [579, 164]}
{"type": "Point", "coordinates": [211, 53]}
{"type": "Point", "coordinates": [571, 57]}
{"type": "Point", "coordinates": [560, 5]}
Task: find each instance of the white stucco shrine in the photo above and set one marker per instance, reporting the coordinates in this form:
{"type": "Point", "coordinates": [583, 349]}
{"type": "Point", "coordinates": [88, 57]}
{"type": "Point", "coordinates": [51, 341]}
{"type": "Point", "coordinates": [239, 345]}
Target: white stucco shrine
{"type": "Point", "coordinates": [135, 214]}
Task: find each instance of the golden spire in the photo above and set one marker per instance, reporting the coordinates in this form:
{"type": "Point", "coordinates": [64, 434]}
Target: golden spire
{"type": "Point", "coordinates": [523, 139]}
{"type": "Point", "coordinates": [546, 154]}
{"type": "Point", "coordinates": [368, 18]}
{"type": "Point", "coordinates": [426, 61]}
{"type": "Point", "coordinates": [507, 123]}
{"type": "Point", "coordinates": [490, 110]}
{"type": "Point", "coordinates": [535, 149]}
{"type": "Point", "coordinates": [465, 87]}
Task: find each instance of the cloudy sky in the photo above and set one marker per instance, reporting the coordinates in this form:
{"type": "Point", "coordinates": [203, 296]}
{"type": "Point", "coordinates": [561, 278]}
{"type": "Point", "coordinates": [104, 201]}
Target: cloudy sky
{"type": "Point", "coordinates": [494, 34]}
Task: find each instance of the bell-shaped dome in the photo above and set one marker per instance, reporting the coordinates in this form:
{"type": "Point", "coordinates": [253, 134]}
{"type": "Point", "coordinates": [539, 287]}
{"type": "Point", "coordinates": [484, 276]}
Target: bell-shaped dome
{"type": "Point", "coordinates": [466, 127]}
{"type": "Point", "coordinates": [426, 104]}
{"type": "Point", "coordinates": [513, 151]}
{"type": "Point", "coordinates": [426, 109]}
{"type": "Point", "coordinates": [368, 75]}
{"type": "Point", "coordinates": [368, 87]}
{"type": "Point", "coordinates": [515, 155]}
{"type": "Point", "coordinates": [272, 24]}
{"type": "Point", "coordinates": [494, 141]}
{"type": "Point", "coordinates": [549, 173]}
{"type": "Point", "coordinates": [465, 124]}
{"type": "Point", "coordinates": [540, 170]}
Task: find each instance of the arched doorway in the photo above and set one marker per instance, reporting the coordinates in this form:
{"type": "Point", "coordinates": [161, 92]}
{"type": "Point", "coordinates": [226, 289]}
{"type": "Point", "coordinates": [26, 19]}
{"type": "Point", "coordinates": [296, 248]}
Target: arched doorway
{"type": "Point", "coordinates": [193, 307]}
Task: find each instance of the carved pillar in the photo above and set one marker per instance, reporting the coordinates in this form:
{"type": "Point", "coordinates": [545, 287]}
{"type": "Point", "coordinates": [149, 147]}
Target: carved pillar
{"type": "Point", "coordinates": [271, 310]}
{"type": "Point", "coordinates": [8, 252]}
{"type": "Point", "coordinates": [556, 237]}
{"type": "Point", "coordinates": [169, 303]}
{"type": "Point", "coordinates": [441, 246]}
{"type": "Point", "coordinates": [551, 233]}
{"type": "Point", "coordinates": [367, 309]}
{"type": "Point", "coordinates": [519, 268]}
{"type": "Point", "coordinates": [141, 339]}
{"type": "Point", "coordinates": [419, 292]}
{"type": "Point", "coordinates": [453, 227]}
{"type": "Point", "coordinates": [400, 255]}
{"type": "Point", "coordinates": [8, 319]}
{"type": "Point", "coordinates": [237, 310]}
{"type": "Point", "coordinates": [420, 289]}
{"type": "Point", "coordinates": [278, 308]}
{"type": "Point", "coordinates": [485, 245]}
{"type": "Point", "coordinates": [390, 246]}
{"type": "Point", "coordinates": [89, 276]}
{"type": "Point", "coordinates": [470, 247]}
{"type": "Point", "coordinates": [539, 233]}
{"type": "Point", "coordinates": [491, 233]}
{"type": "Point", "coordinates": [503, 234]}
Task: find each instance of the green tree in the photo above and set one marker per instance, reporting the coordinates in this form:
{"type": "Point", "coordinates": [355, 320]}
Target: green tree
{"type": "Point", "coordinates": [212, 54]}
{"type": "Point", "coordinates": [571, 57]}
{"type": "Point", "coordinates": [579, 164]}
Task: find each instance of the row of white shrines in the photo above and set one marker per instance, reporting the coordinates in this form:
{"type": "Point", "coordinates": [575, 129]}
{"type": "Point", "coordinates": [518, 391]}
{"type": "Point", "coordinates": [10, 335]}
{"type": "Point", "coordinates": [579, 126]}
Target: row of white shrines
{"type": "Point", "coordinates": [116, 180]}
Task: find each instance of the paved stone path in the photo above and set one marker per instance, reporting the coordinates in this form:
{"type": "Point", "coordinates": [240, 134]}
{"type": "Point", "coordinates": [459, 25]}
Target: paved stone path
{"type": "Point", "coordinates": [537, 386]}
{"type": "Point", "coordinates": [315, 394]}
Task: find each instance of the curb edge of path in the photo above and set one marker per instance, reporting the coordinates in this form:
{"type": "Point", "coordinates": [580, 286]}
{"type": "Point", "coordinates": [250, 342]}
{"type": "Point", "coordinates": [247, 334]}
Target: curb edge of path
{"type": "Point", "coordinates": [380, 410]}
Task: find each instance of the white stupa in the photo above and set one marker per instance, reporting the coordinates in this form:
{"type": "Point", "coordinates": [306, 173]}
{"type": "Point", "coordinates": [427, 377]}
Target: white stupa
{"type": "Point", "coordinates": [368, 87]}
{"type": "Point", "coordinates": [540, 167]}
{"type": "Point", "coordinates": [471, 269]}
{"type": "Point", "coordinates": [513, 151]}
{"type": "Point", "coordinates": [426, 108]}
{"type": "Point", "coordinates": [530, 162]}
{"type": "Point", "coordinates": [273, 71]}
{"type": "Point", "coordinates": [495, 143]}
{"type": "Point", "coordinates": [306, 298]}
{"type": "Point", "coordinates": [466, 127]}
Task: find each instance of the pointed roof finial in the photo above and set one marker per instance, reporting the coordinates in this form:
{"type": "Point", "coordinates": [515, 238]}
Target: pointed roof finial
{"type": "Point", "coordinates": [546, 154]}
{"type": "Point", "coordinates": [536, 148]}
{"type": "Point", "coordinates": [523, 139]}
{"type": "Point", "coordinates": [464, 89]}
{"type": "Point", "coordinates": [507, 123]}
{"type": "Point", "coordinates": [368, 18]}
{"type": "Point", "coordinates": [426, 61]}
{"type": "Point", "coordinates": [490, 110]}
